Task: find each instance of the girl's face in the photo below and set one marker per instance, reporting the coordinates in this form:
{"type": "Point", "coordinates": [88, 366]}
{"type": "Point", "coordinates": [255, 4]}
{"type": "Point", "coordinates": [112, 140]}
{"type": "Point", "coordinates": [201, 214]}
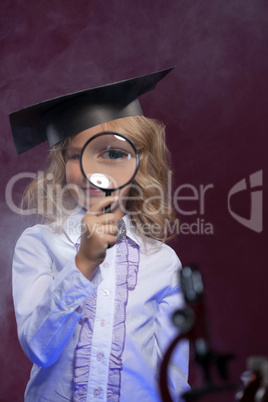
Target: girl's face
{"type": "Point", "coordinates": [84, 194]}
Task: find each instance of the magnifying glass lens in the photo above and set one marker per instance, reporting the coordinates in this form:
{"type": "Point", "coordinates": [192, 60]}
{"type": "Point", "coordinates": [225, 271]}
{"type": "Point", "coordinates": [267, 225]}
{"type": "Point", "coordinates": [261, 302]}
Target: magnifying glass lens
{"type": "Point", "coordinates": [109, 161]}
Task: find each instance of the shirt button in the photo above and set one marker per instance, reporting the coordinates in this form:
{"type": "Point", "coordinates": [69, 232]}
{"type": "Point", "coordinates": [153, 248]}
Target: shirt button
{"type": "Point", "coordinates": [105, 292]}
{"type": "Point", "coordinates": [96, 392]}
{"type": "Point", "coordinates": [100, 356]}
{"type": "Point", "coordinates": [106, 264]}
{"type": "Point", "coordinates": [102, 323]}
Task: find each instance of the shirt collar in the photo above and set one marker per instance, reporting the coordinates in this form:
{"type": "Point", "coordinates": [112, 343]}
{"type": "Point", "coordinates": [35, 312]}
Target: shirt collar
{"type": "Point", "coordinates": [132, 231]}
{"type": "Point", "coordinates": [143, 241]}
{"type": "Point", "coordinates": [72, 225]}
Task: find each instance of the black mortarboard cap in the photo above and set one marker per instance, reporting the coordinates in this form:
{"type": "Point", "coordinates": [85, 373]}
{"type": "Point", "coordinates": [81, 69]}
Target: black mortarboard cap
{"type": "Point", "coordinates": [67, 115]}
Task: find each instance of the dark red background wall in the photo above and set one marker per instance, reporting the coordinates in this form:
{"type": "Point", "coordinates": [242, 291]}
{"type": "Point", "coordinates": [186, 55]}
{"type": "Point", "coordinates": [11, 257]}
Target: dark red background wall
{"type": "Point", "coordinates": [215, 106]}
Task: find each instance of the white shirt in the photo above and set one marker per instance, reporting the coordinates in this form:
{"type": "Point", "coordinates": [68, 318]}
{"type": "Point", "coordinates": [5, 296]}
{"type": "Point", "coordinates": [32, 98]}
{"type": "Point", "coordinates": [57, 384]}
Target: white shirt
{"type": "Point", "coordinates": [50, 295]}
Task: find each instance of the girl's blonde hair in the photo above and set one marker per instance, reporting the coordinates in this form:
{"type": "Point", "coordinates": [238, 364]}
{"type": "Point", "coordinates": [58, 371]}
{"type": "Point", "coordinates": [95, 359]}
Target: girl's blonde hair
{"type": "Point", "coordinates": [149, 206]}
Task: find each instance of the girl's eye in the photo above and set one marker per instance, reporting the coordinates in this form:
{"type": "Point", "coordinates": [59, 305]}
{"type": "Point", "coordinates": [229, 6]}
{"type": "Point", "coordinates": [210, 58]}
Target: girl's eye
{"type": "Point", "coordinates": [75, 156]}
{"type": "Point", "coordinates": [115, 154]}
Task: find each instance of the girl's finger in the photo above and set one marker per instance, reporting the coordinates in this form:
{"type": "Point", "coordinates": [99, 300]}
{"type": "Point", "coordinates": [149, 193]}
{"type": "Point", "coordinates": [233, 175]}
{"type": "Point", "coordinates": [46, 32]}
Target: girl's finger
{"type": "Point", "coordinates": [97, 208]}
{"type": "Point", "coordinates": [106, 219]}
{"type": "Point", "coordinates": [103, 230]}
{"type": "Point", "coordinates": [110, 229]}
{"type": "Point", "coordinates": [111, 240]}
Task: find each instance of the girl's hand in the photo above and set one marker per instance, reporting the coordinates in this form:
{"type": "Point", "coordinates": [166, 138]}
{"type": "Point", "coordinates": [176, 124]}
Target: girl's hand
{"type": "Point", "coordinates": [99, 233]}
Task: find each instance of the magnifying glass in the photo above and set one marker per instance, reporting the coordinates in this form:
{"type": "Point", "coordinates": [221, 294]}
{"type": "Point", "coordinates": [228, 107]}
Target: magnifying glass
{"type": "Point", "coordinates": [109, 161]}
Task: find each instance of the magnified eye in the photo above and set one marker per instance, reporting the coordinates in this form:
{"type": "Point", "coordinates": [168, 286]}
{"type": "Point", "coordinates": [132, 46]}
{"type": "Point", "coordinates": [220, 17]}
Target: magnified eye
{"type": "Point", "coordinates": [115, 154]}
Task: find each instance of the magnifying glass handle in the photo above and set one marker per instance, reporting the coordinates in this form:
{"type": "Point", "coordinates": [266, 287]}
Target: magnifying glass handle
{"type": "Point", "coordinates": [106, 210]}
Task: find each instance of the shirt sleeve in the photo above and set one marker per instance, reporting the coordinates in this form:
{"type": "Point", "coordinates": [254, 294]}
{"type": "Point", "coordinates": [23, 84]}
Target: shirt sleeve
{"type": "Point", "coordinates": [171, 300]}
{"type": "Point", "coordinates": [45, 308]}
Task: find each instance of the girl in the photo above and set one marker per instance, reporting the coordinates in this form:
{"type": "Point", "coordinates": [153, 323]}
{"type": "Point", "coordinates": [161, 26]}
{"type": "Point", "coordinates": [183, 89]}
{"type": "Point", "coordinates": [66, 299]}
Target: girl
{"type": "Point", "coordinates": [94, 308]}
